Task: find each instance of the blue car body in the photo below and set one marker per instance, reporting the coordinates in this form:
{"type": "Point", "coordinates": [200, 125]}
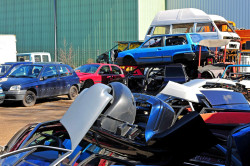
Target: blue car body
{"type": "Point", "coordinates": [164, 49]}
{"type": "Point", "coordinates": [43, 84]}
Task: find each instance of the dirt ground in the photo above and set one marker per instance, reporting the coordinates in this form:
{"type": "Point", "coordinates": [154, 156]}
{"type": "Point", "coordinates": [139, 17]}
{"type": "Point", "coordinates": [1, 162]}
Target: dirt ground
{"type": "Point", "coordinates": [13, 116]}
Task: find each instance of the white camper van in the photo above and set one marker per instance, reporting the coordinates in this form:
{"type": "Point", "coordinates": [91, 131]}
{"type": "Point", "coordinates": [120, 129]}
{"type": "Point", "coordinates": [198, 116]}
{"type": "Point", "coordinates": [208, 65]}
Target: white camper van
{"type": "Point", "coordinates": [192, 20]}
{"type": "Point", "coordinates": [34, 57]}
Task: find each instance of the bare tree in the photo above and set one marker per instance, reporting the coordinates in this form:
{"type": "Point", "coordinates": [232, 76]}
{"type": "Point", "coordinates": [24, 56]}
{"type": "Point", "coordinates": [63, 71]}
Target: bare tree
{"type": "Point", "coordinates": [66, 54]}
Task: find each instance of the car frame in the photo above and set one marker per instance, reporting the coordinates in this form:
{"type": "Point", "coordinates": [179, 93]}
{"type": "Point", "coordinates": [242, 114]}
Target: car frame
{"type": "Point", "coordinates": [50, 81]}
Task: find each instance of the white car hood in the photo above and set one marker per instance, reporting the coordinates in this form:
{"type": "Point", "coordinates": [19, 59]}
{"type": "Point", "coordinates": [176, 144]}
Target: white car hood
{"type": "Point", "coordinates": [84, 111]}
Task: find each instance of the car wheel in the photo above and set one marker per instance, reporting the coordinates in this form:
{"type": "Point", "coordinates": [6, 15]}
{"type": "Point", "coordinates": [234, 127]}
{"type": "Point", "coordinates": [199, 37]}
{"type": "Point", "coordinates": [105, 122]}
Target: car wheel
{"type": "Point", "coordinates": [129, 61]}
{"type": "Point", "coordinates": [73, 93]}
{"type": "Point", "coordinates": [29, 99]}
{"type": "Point", "coordinates": [88, 84]}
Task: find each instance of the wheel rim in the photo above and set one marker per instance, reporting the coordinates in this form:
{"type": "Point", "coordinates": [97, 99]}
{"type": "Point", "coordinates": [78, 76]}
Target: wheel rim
{"type": "Point", "coordinates": [29, 99]}
{"type": "Point", "coordinates": [73, 92]}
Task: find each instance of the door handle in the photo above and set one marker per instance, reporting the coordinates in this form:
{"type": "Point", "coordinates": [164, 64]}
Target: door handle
{"type": "Point", "coordinates": [158, 49]}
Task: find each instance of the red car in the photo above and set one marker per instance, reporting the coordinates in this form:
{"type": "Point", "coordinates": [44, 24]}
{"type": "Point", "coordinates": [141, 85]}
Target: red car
{"type": "Point", "coordinates": [91, 74]}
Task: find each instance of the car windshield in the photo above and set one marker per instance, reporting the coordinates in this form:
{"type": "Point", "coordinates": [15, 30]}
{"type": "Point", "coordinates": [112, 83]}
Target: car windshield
{"type": "Point", "coordinates": [90, 68]}
{"type": "Point", "coordinates": [29, 71]}
{"type": "Point", "coordinates": [4, 69]}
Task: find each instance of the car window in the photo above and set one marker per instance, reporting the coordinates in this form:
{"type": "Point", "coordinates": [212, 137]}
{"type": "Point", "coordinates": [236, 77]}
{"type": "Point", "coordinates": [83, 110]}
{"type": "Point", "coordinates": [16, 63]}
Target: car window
{"type": "Point", "coordinates": [49, 72]}
{"type": "Point", "coordinates": [24, 58]}
{"type": "Point", "coordinates": [38, 58]}
{"type": "Point", "coordinates": [88, 68]}
{"type": "Point", "coordinates": [45, 58]}
{"type": "Point", "coordinates": [31, 71]}
{"type": "Point", "coordinates": [64, 71]}
{"type": "Point", "coordinates": [176, 40]}
{"type": "Point", "coordinates": [116, 70]}
{"type": "Point", "coordinates": [196, 38]}
{"type": "Point", "coordinates": [4, 69]}
{"type": "Point", "coordinates": [153, 42]}
{"type": "Point", "coordinates": [104, 70]}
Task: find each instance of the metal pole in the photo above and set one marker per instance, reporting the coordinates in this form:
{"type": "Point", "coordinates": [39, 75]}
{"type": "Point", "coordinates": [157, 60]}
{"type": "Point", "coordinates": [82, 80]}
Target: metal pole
{"type": "Point", "coordinates": [225, 53]}
{"type": "Point", "coordinates": [199, 56]}
{"type": "Point", "coordinates": [55, 30]}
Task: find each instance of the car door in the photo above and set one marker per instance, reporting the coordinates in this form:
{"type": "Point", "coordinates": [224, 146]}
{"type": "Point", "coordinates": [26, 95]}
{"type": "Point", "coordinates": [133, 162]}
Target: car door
{"type": "Point", "coordinates": [105, 74]}
{"type": "Point", "coordinates": [175, 45]}
{"type": "Point", "coordinates": [64, 81]}
{"type": "Point", "coordinates": [117, 74]}
{"type": "Point", "coordinates": [151, 51]}
{"type": "Point", "coordinates": [48, 80]}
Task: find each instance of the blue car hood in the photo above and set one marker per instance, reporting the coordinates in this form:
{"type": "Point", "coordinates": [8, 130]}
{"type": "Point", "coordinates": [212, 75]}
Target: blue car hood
{"type": "Point", "coordinates": [6, 83]}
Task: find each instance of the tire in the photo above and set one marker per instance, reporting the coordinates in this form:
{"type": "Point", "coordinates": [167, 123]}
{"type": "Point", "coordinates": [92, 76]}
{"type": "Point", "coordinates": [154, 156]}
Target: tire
{"type": "Point", "coordinates": [129, 61]}
{"type": "Point", "coordinates": [88, 84]}
{"type": "Point", "coordinates": [29, 99]}
{"type": "Point", "coordinates": [73, 93]}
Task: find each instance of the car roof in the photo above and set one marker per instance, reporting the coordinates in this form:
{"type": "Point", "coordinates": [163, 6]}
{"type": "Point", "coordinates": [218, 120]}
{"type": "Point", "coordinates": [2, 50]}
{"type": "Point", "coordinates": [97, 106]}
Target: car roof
{"type": "Point", "coordinates": [17, 63]}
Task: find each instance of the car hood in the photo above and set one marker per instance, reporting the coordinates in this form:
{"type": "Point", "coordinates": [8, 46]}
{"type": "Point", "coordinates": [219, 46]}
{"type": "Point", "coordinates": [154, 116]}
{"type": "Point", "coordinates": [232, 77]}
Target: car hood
{"type": "Point", "coordinates": [6, 83]}
{"type": "Point", "coordinates": [84, 111]}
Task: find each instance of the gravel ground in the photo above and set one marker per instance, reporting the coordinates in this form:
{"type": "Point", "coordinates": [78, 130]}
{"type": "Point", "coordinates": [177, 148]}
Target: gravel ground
{"type": "Point", "coordinates": [13, 116]}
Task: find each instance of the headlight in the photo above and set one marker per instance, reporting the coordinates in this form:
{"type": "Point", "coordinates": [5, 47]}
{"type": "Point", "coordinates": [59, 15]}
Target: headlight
{"type": "Point", "coordinates": [1, 90]}
{"type": "Point", "coordinates": [15, 87]}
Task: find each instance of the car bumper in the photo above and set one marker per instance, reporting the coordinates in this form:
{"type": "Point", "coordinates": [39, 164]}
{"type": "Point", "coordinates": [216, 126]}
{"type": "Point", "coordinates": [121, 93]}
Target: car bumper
{"type": "Point", "coordinates": [2, 97]}
{"type": "Point", "coordinates": [14, 95]}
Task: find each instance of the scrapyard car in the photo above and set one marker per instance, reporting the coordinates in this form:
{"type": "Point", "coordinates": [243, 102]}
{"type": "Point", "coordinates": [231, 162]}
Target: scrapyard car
{"type": "Point", "coordinates": [90, 74]}
{"type": "Point", "coordinates": [174, 48]}
{"type": "Point", "coordinates": [29, 82]}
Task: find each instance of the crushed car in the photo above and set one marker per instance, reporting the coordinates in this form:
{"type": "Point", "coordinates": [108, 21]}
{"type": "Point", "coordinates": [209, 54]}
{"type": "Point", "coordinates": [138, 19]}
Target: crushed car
{"type": "Point", "coordinates": [136, 128]}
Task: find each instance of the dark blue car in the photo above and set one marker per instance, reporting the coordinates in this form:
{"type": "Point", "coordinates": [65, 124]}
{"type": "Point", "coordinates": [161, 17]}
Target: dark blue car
{"type": "Point", "coordinates": [29, 82]}
{"type": "Point", "coordinates": [173, 48]}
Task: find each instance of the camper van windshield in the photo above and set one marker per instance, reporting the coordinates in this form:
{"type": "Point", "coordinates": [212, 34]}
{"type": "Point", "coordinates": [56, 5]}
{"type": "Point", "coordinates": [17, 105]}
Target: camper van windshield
{"type": "Point", "coordinates": [182, 28]}
{"type": "Point", "coordinates": [223, 26]}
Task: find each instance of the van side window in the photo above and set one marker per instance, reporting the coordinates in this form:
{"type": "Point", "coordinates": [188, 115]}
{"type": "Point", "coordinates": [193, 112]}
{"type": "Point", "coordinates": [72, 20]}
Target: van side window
{"type": "Point", "coordinates": [205, 27]}
{"type": "Point", "coordinates": [153, 42]}
{"type": "Point", "coordinates": [38, 58]}
{"type": "Point", "coordinates": [160, 30]}
{"type": "Point", "coordinates": [182, 28]}
{"type": "Point", "coordinates": [45, 58]}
